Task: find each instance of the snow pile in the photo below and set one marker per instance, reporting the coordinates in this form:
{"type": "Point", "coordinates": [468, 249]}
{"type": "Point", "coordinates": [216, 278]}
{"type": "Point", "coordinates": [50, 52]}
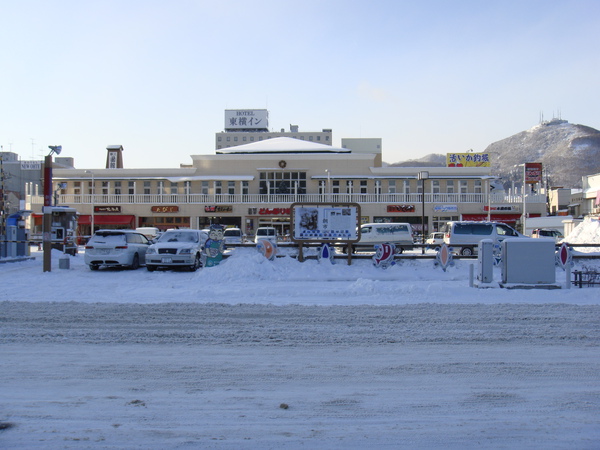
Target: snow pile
{"type": "Point", "coordinates": [587, 232]}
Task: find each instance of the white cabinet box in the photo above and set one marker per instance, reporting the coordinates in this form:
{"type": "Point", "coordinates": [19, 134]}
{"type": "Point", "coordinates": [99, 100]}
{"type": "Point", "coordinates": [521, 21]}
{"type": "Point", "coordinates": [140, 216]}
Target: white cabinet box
{"type": "Point", "coordinates": [528, 261]}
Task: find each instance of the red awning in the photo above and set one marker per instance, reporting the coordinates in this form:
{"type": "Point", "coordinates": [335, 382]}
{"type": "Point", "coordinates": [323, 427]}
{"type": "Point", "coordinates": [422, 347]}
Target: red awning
{"type": "Point", "coordinates": [101, 219]}
{"type": "Point", "coordinates": [504, 218]}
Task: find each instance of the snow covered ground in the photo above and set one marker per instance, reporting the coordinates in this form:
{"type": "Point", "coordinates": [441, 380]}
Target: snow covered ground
{"type": "Point", "coordinates": [260, 354]}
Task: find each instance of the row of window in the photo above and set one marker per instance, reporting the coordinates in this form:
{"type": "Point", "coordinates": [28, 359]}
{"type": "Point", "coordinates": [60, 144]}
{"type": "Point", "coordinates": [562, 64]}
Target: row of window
{"type": "Point", "coordinates": [276, 183]}
{"type": "Point", "coordinates": [260, 138]}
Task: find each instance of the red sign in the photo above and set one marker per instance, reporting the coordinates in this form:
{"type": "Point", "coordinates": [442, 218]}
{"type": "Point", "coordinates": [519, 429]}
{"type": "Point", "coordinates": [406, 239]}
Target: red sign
{"type": "Point", "coordinates": [164, 209]}
{"type": "Point", "coordinates": [501, 208]}
{"type": "Point", "coordinates": [274, 211]}
{"type": "Point", "coordinates": [401, 208]}
{"type": "Point", "coordinates": [533, 173]}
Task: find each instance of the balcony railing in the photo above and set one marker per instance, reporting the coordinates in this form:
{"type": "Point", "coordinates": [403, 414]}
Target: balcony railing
{"type": "Point", "coordinates": [178, 199]}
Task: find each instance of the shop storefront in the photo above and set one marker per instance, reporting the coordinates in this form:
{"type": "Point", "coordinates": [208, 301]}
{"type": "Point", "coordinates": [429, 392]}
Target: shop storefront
{"type": "Point", "coordinates": [103, 221]}
{"type": "Point", "coordinates": [219, 214]}
{"type": "Point", "coordinates": [509, 219]}
{"type": "Point", "coordinates": [278, 218]}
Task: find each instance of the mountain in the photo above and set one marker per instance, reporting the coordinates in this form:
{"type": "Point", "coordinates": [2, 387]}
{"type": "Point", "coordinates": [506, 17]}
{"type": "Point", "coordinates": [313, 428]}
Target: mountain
{"type": "Point", "coordinates": [567, 152]}
{"type": "Point", "coordinates": [431, 160]}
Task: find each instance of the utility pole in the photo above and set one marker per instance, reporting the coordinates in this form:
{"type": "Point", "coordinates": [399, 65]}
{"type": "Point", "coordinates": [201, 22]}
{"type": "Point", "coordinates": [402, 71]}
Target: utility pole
{"type": "Point", "coordinates": [3, 243]}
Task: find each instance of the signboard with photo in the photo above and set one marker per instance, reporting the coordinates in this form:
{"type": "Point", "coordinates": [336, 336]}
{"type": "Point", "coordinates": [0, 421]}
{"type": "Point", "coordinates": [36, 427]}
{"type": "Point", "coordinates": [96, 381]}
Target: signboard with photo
{"type": "Point", "coordinates": [324, 222]}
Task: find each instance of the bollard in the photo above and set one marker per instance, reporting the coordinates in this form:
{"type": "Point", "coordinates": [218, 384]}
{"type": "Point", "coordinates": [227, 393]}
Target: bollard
{"type": "Point", "coordinates": [64, 262]}
{"type": "Point", "coordinates": [471, 272]}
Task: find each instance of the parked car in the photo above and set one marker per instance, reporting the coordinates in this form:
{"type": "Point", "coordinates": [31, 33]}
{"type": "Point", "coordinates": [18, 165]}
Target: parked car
{"type": "Point", "coordinates": [464, 236]}
{"type": "Point", "coordinates": [547, 233]}
{"type": "Point", "coordinates": [435, 239]}
{"type": "Point", "coordinates": [233, 236]}
{"type": "Point", "coordinates": [269, 233]}
{"type": "Point", "coordinates": [116, 248]}
{"type": "Point", "coordinates": [399, 234]}
{"type": "Point", "coordinates": [150, 232]}
{"type": "Point", "coordinates": [177, 248]}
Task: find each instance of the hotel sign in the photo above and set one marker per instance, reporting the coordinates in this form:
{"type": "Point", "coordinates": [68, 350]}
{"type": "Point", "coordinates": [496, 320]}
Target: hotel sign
{"type": "Point", "coordinates": [31, 165]}
{"type": "Point", "coordinates": [246, 119]}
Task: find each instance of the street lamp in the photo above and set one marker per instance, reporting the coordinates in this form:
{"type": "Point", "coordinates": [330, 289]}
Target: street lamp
{"type": "Point", "coordinates": [423, 175]}
{"type": "Point", "coordinates": [93, 200]}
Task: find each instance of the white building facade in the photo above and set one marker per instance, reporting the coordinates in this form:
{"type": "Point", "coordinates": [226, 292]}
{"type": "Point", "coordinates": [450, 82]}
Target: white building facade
{"type": "Point", "coordinates": [254, 185]}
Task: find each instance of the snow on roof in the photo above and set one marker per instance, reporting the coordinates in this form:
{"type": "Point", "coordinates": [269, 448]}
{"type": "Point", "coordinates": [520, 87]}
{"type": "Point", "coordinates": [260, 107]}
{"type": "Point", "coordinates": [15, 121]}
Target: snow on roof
{"type": "Point", "coordinates": [282, 145]}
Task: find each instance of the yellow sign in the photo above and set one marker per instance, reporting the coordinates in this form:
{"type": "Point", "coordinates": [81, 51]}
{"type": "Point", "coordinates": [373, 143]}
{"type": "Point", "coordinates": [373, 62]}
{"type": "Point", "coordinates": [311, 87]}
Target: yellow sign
{"type": "Point", "coordinates": [468, 160]}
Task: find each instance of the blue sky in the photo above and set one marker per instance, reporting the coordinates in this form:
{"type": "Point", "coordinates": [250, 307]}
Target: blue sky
{"type": "Point", "coordinates": [156, 76]}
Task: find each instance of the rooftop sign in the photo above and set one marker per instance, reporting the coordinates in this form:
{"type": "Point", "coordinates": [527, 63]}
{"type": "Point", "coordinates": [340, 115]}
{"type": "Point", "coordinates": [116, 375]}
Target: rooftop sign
{"type": "Point", "coordinates": [246, 119]}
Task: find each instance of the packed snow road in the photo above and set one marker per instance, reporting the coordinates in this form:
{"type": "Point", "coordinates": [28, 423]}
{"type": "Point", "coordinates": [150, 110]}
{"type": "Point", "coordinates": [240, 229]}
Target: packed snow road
{"type": "Point", "coordinates": [185, 375]}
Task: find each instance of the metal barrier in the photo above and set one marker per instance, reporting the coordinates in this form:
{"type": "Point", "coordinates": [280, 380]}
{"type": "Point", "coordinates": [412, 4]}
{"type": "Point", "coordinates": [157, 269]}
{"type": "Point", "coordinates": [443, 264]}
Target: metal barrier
{"type": "Point", "coordinates": [588, 278]}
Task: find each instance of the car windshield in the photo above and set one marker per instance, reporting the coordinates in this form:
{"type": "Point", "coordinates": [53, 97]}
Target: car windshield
{"type": "Point", "coordinates": [179, 236]}
{"type": "Point", "coordinates": [108, 238]}
{"type": "Point", "coordinates": [265, 232]}
{"type": "Point", "coordinates": [232, 233]}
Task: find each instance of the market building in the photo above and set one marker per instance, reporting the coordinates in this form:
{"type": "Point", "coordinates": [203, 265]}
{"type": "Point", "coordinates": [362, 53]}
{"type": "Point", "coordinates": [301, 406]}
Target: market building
{"type": "Point", "coordinates": [254, 184]}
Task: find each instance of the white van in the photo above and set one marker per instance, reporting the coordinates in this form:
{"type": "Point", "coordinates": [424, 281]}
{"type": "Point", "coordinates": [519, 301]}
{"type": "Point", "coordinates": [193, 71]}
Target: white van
{"type": "Point", "coordinates": [269, 233]}
{"type": "Point", "coordinates": [464, 236]}
{"type": "Point", "coordinates": [399, 234]}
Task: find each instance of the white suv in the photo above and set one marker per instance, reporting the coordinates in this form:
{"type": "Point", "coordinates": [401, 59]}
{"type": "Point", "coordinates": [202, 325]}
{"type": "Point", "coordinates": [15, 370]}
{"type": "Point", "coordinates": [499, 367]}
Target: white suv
{"type": "Point", "coordinates": [116, 248]}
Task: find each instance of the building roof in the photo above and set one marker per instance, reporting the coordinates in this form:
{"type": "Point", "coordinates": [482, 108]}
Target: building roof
{"type": "Point", "coordinates": [282, 145]}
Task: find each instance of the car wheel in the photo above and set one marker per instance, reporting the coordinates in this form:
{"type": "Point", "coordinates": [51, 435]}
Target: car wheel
{"type": "Point", "coordinates": [467, 251]}
{"type": "Point", "coordinates": [399, 250]}
{"type": "Point", "coordinates": [94, 266]}
{"type": "Point", "coordinates": [150, 268]}
{"type": "Point", "coordinates": [197, 263]}
{"type": "Point", "coordinates": [135, 264]}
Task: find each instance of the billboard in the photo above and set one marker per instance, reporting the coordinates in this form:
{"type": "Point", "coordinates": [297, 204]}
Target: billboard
{"type": "Point", "coordinates": [246, 119]}
{"type": "Point", "coordinates": [468, 160]}
{"type": "Point", "coordinates": [325, 222]}
{"type": "Point", "coordinates": [533, 173]}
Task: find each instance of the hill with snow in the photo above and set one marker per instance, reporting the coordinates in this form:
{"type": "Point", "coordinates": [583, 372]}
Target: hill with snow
{"type": "Point", "coordinates": [567, 151]}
